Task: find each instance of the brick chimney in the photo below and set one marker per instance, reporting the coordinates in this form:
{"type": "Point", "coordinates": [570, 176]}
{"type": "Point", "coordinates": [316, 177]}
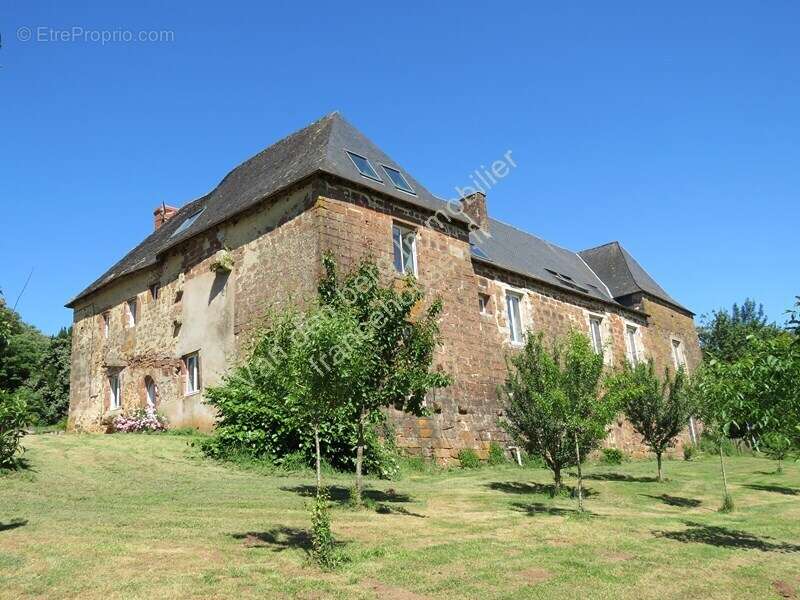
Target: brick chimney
{"type": "Point", "coordinates": [474, 208]}
{"type": "Point", "coordinates": [162, 214]}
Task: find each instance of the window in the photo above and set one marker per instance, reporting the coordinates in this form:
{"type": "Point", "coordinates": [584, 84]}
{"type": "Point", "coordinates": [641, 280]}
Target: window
{"type": "Point", "coordinates": [405, 250]}
{"type": "Point", "coordinates": [597, 338]}
{"type": "Point", "coordinates": [677, 354]}
{"type": "Point", "coordinates": [114, 393]}
{"type": "Point", "coordinates": [151, 390]}
{"type": "Point", "coordinates": [400, 182]}
{"type": "Point", "coordinates": [155, 290]}
{"type": "Point", "coordinates": [630, 343]}
{"type": "Point", "coordinates": [192, 365]}
{"type": "Point", "coordinates": [188, 222]}
{"type": "Point", "coordinates": [131, 306]}
{"type": "Point", "coordinates": [106, 320]}
{"type": "Point", "coordinates": [483, 303]}
{"type": "Point", "coordinates": [514, 321]}
{"type": "Point", "coordinates": [364, 166]}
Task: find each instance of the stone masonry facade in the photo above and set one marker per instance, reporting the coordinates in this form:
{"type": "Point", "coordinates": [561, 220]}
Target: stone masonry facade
{"type": "Point", "coordinates": [277, 248]}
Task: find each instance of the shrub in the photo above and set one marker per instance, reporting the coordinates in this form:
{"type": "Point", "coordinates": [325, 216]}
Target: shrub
{"type": "Point", "coordinates": [13, 419]}
{"type": "Point", "coordinates": [323, 549]}
{"type": "Point", "coordinates": [778, 447]}
{"type": "Point", "coordinates": [613, 456]}
{"type": "Point", "coordinates": [689, 452]}
{"type": "Point", "coordinates": [468, 459]}
{"type": "Point", "coordinates": [141, 420]}
{"type": "Point", "coordinates": [497, 455]}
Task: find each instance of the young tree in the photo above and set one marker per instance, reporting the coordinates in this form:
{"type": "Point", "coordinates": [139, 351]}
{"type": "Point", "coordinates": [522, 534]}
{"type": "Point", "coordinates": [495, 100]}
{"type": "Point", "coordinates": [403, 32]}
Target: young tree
{"type": "Point", "coordinates": [552, 403]}
{"type": "Point", "coordinates": [402, 338]}
{"type": "Point", "coordinates": [657, 410]}
{"type": "Point", "coordinates": [328, 357]}
{"type": "Point", "coordinates": [778, 447]}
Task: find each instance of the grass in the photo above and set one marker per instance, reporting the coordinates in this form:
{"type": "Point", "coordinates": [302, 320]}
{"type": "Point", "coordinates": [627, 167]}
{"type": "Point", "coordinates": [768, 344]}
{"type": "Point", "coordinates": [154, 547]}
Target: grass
{"type": "Point", "coordinates": [143, 516]}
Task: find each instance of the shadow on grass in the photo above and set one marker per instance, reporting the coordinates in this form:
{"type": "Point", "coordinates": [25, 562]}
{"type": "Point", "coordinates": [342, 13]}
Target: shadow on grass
{"type": "Point", "coordinates": [18, 464]}
{"type": "Point", "coordinates": [726, 538]}
{"type": "Point", "coordinates": [778, 489]}
{"type": "Point", "coordinates": [535, 509]}
{"type": "Point", "coordinates": [611, 476]}
{"type": "Point", "coordinates": [676, 500]}
{"type": "Point", "coordinates": [518, 487]}
{"type": "Point", "coordinates": [341, 495]}
{"type": "Point", "coordinates": [278, 539]}
{"type": "Point", "coordinates": [386, 509]}
{"type": "Point", "coordinates": [13, 524]}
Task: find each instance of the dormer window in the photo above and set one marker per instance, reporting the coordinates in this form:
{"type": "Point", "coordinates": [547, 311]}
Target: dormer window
{"type": "Point", "coordinates": [399, 181]}
{"type": "Point", "coordinates": [364, 166]}
{"type": "Point", "coordinates": [188, 222]}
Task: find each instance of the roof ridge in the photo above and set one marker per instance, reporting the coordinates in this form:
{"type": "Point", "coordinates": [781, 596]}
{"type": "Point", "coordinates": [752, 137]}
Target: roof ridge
{"type": "Point", "coordinates": [611, 243]}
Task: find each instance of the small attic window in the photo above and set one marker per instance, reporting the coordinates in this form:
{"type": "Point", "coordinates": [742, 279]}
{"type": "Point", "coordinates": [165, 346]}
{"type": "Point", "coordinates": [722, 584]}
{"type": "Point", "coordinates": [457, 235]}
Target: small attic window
{"type": "Point", "coordinates": [567, 280]}
{"type": "Point", "coordinates": [398, 180]}
{"type": "Point", "coordinates": [364, 166]}
{"type": "Point", "coordinates": [187, 223]}
{"type": "Point", "coordinates": [478, 252]}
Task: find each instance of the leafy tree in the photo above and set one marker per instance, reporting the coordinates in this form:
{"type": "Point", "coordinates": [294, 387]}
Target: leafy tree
{"type": "Point", "coordinates": [13, 420]}
{"type": "Point", "coordinates": [402, 338]}
{"type": "Point", "coordinates": [328, 358]}
{"type": "Point", "coordinates": [553, 407]}
{"type": "Point", "coordinates": [724, 335]}
{"type": "Point", "coordinates": [657, 410]}
{"type": "Point", "coordinates": [20, 359]}
{"type": "Point", "coordinates": [759, 388]}
{"type": "Point", "coordinates": [49, 384]}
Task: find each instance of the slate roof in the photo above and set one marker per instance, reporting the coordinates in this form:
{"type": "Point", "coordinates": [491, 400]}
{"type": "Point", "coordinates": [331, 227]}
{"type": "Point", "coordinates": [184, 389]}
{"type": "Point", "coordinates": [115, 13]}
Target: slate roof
{"type": "Point", "coordinates": [527, 254]}
{"type": "Point", "coordinates": [622, 274]}
{"type": "Point", "coordinates": [319, 147]}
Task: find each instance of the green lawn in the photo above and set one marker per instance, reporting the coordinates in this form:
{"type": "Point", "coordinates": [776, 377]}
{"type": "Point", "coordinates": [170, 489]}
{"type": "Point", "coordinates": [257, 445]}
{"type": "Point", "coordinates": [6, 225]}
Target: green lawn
{"type": "Point", "coordinates": [129, 516]}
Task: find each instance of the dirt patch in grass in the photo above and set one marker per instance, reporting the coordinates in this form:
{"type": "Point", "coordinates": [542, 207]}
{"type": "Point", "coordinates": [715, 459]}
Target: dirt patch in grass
{"type": "Point", "coordinates": [784, 589]}
{"type": "Point", "coordinates": [534, 575]}
{"type": "Point", "coordinates": [618, 556]}
{"type": "Point", "coordinates": [388, 592]}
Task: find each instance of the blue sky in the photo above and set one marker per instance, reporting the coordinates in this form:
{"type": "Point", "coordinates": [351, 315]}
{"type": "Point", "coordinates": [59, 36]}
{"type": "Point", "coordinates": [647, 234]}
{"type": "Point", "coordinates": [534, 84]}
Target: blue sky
{"type": "Point", "coordinates": [671, 128]}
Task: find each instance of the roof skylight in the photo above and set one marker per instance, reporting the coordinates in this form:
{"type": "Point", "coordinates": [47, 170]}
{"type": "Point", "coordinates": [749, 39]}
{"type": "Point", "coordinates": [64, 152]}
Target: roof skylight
{"type": "Point", "coordinates": [567, 280]}
{"type": "Point", "coordinates": [398, 180]}
{"type": "Point", "coordinates": [188, 222]}
{"type": "Point", "coordinates": [478, 252]}
{"type": "Point", "coordinates": [364, 166]}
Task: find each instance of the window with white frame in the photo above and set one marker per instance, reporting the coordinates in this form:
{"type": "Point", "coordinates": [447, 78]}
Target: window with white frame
{"type": "Point", "coordinates": [404, 241]}
{"type": "Point", "coordinates": [594, 330]}
{"type": "Point", "coordinates": [191, 363]}
{"type": "Point", "coordinates": [677, 354]}
{"type": "Point", "coordinates": [483, 303]}
{"type": "Point", "coordinates": [114, 391]}
{"type": "Point", "coordinates": [131, 310]}
{"type": "Point", "coordinates": [630, 344]}
{"type": "Point", "coordinates": [106, 321]}
{"type": "Point", "coordinates": [514, 320]}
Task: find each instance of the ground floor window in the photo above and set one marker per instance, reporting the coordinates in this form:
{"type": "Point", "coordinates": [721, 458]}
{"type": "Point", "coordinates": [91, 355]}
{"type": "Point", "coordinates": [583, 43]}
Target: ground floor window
{"type": "Point", "coordinates": [150, 389]}
{"type": "Point", "coordinates": [114, 391]}
{"type": "Point", "coordinates": [191, 363]}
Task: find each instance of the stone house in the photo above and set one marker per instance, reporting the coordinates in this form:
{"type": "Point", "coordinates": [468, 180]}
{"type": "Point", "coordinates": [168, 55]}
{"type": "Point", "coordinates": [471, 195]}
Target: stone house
{"type": "Point", "coordinates": [172, 315]}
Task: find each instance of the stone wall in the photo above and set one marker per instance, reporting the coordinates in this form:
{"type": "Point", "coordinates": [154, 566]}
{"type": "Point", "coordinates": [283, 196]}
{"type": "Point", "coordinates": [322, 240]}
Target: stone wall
{"type": "Point", "coordinates": [277, 249]}
{"type": "Point", "coordinates": [275, 253]}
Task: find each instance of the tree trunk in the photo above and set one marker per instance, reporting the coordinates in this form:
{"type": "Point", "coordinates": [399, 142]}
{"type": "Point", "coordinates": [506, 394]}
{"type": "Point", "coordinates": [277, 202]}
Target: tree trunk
{"type": "Point", "coordinates": [727, 503]}
{"type": "Point", "coordinates": [359, 457]}
{"type": "Point", "coordinates": [556, 481]}
{"type": "Point", "coordinates": [660, 472]}
{"type": "Point", "coordinates": [780, 466]}
{"type": "Point", "coordinates": [580, 473]}
{"type": "Point", "coordinates": [318, 460]}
